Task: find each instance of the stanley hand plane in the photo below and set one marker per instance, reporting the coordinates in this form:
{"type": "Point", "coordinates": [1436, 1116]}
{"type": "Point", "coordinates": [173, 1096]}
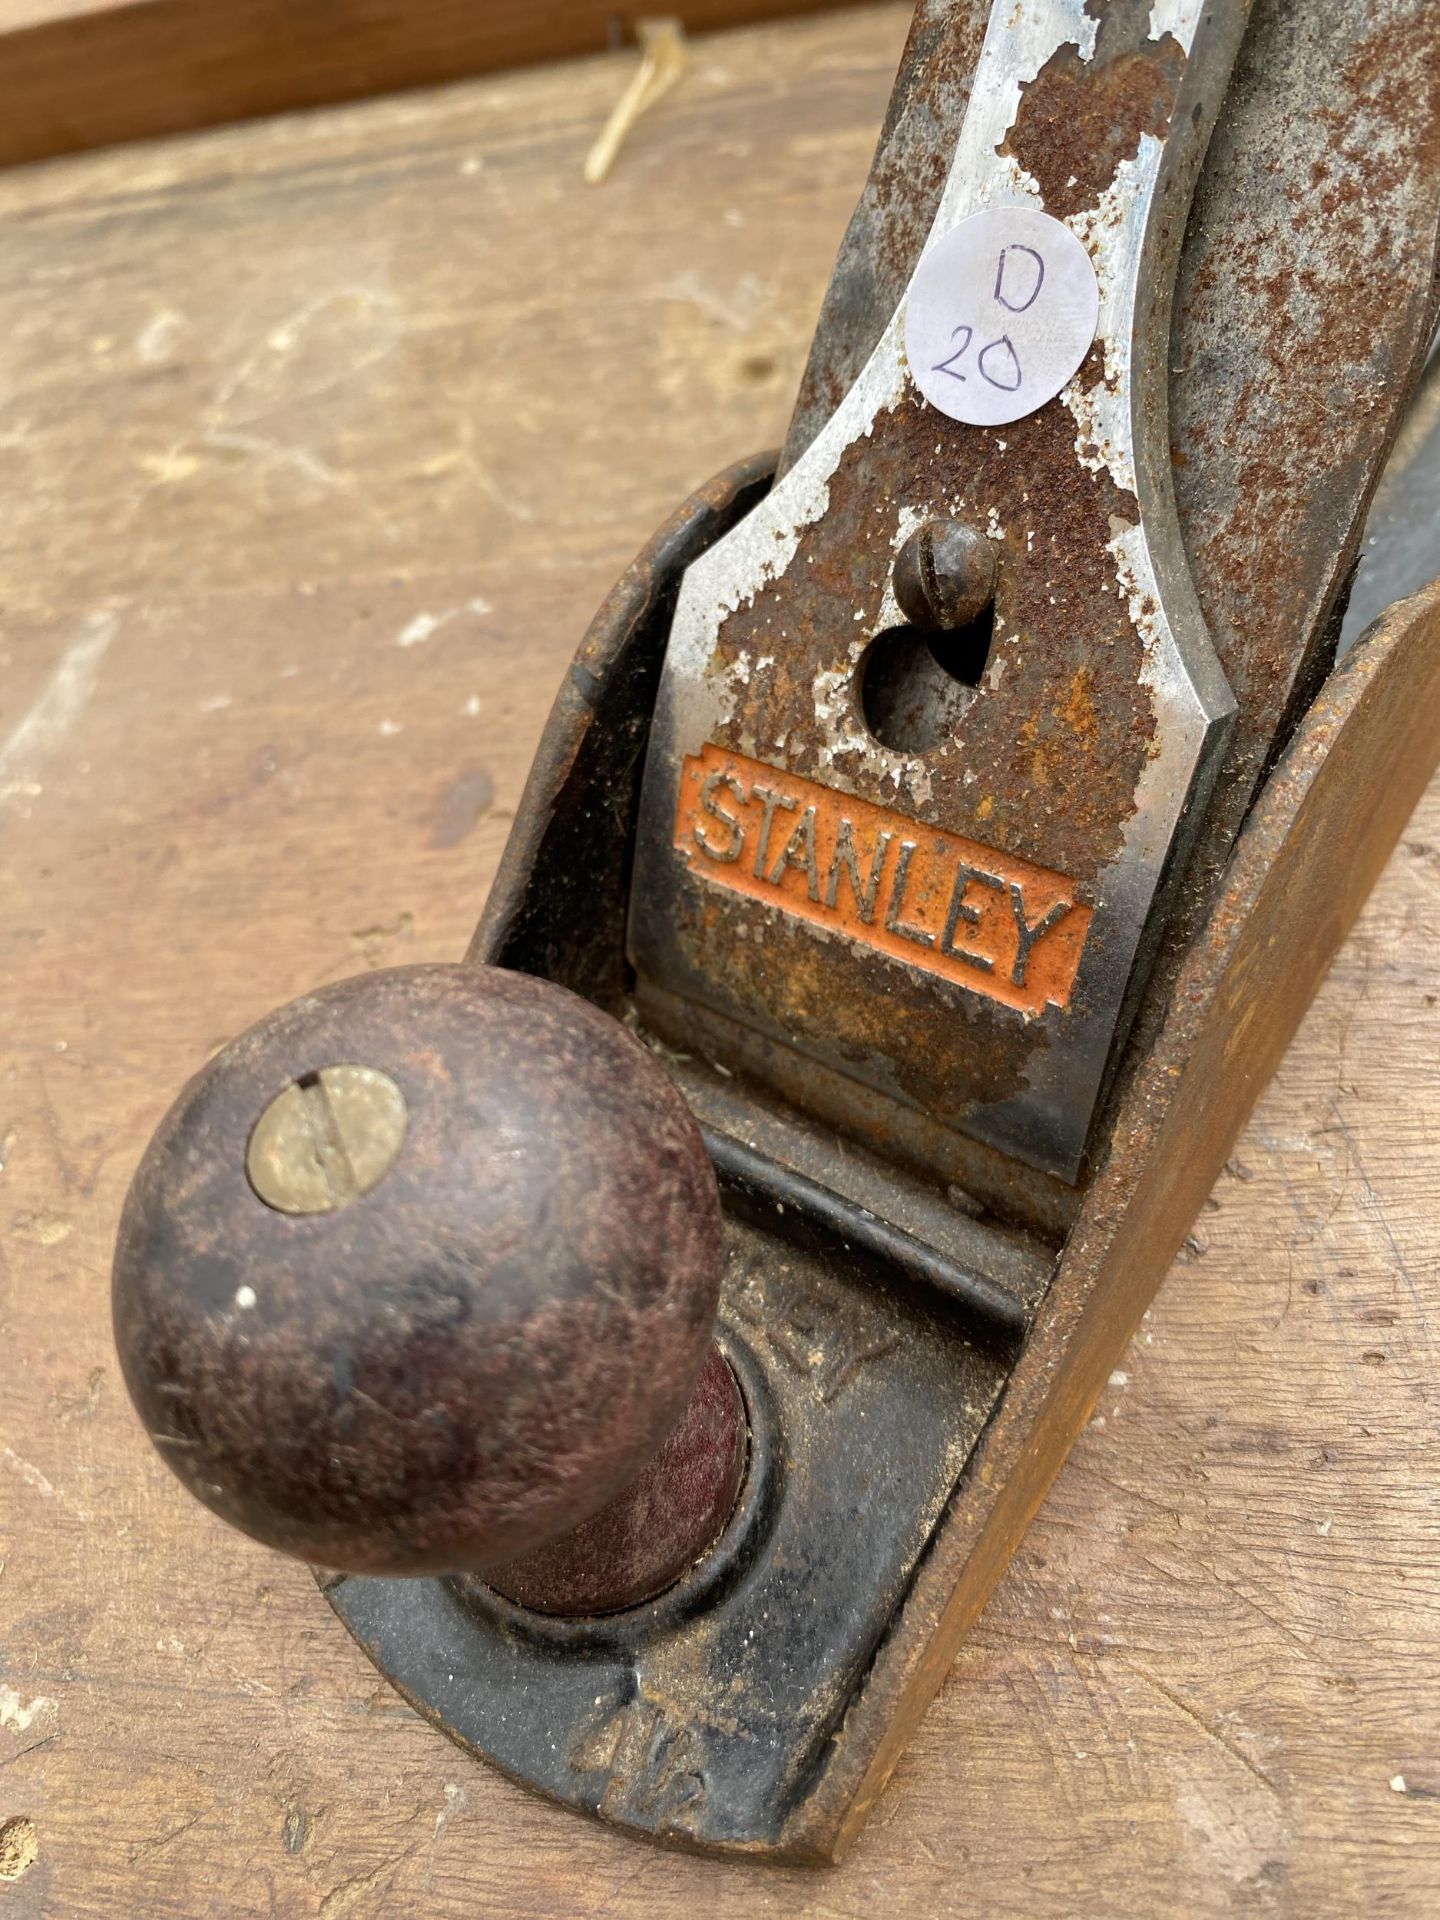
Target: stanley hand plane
{"type": "Point", "coordinates": [658, 1330]}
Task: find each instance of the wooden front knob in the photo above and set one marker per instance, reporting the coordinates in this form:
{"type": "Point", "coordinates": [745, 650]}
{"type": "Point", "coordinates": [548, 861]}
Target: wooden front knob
{"type": "Point", "coordinates": [418, 1276]}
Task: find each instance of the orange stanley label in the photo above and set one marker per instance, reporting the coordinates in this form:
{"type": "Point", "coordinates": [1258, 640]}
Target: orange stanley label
{"type": "Point", "coordinates": [949, 906]}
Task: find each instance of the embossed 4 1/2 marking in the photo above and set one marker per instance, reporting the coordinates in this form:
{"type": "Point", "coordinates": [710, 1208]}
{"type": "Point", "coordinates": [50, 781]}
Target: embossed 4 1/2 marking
{"type": "Point", "coordinates": [652, 1764]}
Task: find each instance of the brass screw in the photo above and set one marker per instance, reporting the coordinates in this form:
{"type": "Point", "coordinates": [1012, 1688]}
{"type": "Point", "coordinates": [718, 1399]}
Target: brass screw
{"type": "Point", "coordinates": [328, 1139]}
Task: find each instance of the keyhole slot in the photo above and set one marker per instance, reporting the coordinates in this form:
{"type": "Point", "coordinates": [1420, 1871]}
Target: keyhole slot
{"type": "Point", "coordinates": [916, 688]}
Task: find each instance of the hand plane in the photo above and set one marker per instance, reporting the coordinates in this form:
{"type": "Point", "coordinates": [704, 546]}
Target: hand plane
{"type": "Point", "coordinates": [658, 1329]}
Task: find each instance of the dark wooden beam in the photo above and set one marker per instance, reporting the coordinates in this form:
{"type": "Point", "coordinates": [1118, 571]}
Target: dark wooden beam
{"type": "Point", "coordinates": [88, 73]}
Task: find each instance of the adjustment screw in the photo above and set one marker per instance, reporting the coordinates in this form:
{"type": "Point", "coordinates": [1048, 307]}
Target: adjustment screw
{"type": "Point", "coordinates": [944, 576]}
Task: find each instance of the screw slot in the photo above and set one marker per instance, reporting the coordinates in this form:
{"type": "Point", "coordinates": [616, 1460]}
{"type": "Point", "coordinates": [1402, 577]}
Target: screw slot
{"type": "Point", "coordinates": [326, 1141]}
{"type": "Point", "coordinates": [944, 576]}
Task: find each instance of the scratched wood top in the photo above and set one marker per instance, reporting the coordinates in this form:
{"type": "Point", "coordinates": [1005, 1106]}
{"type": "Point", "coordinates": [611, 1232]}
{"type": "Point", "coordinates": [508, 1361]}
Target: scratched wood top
{"type": "Point", "coordinates": [319, 442]}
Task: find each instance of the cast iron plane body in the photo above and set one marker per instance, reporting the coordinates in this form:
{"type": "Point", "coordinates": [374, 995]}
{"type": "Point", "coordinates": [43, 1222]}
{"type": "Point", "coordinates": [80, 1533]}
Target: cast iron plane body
{"type": "Point", "coordinates": [947, 1203]}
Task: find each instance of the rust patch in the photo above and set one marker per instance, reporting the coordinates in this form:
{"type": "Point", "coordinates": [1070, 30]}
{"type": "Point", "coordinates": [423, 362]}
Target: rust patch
{"type": "Point", "coordinates": [1078, 119]}
{"type": "Point", "coordinates": [1041, 767]}
{"type": "Point", "coordinates": [911, 165]}
{"type": "Point", "coordinates": [1303, 310]}
{"type": "Point", "coordinates": [1031, 742]}
{"type": "Point", "coordinates": [1003, 928]}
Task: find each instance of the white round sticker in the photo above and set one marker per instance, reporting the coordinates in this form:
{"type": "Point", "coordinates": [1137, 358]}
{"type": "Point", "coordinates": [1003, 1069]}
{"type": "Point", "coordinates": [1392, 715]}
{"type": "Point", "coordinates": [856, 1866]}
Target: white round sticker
{"type": "Point", "coordinates": [1002, 311]}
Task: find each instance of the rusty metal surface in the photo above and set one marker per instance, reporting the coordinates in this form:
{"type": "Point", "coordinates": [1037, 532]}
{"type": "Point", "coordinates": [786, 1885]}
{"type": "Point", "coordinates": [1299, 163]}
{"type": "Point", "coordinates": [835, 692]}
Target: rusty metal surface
{"type": "Point", "coordinates": [1305, 305]}
{"type": "Point", "coordinates": [1305, 301]}
{"type": "Point", "coordinates": [871, 1175]}
{"type": "Point", "coordinates": [1086, 750]}
{"type": "Point", "coordinates": [1081, 118]}
{"type": "Point", "coordinates": [964, 1180]}
{"type": "Point", "coordinates": [897, 208]}
{"type": "Point", "coordinates": [709, 1716]}
{"type": "Point", "coordinates": [1325, 823]}
{"type": "Point", "coordinates": [814, 1216]}
{"type": "Point", "coordinates": [477, 1354]}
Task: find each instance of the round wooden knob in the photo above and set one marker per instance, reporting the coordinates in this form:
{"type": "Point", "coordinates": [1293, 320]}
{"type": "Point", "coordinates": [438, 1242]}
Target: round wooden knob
{"type": "Point", "coordinates": [419, 1274]}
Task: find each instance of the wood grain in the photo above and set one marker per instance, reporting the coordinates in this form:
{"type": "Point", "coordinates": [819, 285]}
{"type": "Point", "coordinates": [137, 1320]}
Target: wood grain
{"type": "Point", "coordinates": [319, 443]}
{"type": "Point", "coordinates": [83, 73]}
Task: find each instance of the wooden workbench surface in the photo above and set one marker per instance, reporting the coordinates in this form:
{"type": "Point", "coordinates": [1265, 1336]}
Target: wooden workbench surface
{"type": "Point", "coordinates": [319, 442]}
